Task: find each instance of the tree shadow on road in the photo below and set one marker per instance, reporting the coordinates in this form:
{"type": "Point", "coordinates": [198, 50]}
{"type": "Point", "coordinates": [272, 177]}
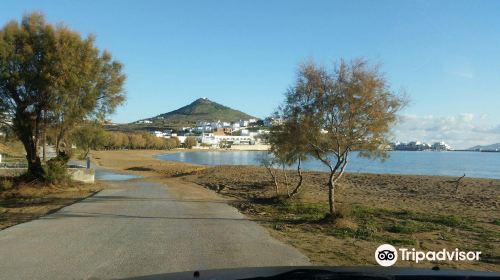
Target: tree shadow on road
{"type": "Point", "coordinates": [72, 214]}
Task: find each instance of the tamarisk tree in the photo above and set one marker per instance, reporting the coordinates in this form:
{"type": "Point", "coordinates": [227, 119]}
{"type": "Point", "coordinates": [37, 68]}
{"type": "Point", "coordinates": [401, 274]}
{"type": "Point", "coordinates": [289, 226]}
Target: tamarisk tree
{"type": "Point", "coordinates": [350, 107]}
{"type": "Point", "coordinates": [288, 147]}
{"type": "Point", "coordinates": [52, 77]}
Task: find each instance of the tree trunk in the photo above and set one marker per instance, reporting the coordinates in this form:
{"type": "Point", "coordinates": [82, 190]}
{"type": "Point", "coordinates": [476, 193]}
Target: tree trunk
{"type": "Point", "coordinates": [59, 138]}
{"type": "Point", "coordinates": [27, 130]}
{"type": "Point", "coordinates": [44, 146]}
{"type": "Point", "coordinates": [334, 176]}
{"type": "Point", "coordinates": [331, 194]}
{"type": "Point", "coordinates": [286, 181]}
{"type": "Point", "coordinates": [44, 137]}
{"type": "Point", "coordinates": [87, 151]}
{"type": "Point", "coordinates": [34, 164]}
{"type": "Point", "coordinates": [275, 180]}
{"type": "Point", "coordinates": [299, 184]}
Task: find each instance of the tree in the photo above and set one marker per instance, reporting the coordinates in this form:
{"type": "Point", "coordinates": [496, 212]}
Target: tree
{"type": "Point", "coordinates": [172, 143]}
{"type": "Point", "coordinates": [136, 141]}
{"type": "Point", "coordinates": [289, 145]}
{"type": "Point", "coordinates": [331, 113]}
{"type": "Point", "coordinates": [51, 77]}
{"type": "Point", "coordinates": [91, 91]}
{"type": "Point", "coordinates": [271, 163]}
{"type": "Point", "coordinates": [191, 142]}
{"type": "Point", "coordinates": [89, 136]}
{"type": "Point", "coordinates": [122, 141]}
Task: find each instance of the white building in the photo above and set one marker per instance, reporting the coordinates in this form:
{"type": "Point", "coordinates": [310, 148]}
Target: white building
{"type": "Point", "coordinates": [160, 134]}
{"type": "Point", "coordinates": [182, 139]}
{"type": "Point", "coordinates": [272, 121]}
{"type": "Point", "coordinates": [215, 140]}
{"type": "Point", "coordinates": [243, 123]}
{"type": "Point", "coordinates": [236, 126]}
{"type": "Point", "coordinates": [215, 125]}
{"type": "Point", "coordinates": [441, 146]}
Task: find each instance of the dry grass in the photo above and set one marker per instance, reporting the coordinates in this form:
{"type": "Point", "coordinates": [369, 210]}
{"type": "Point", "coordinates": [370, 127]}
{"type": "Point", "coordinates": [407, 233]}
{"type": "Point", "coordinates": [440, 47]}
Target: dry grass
{"type": "Point", "coordinates": [424, 212]}
{"type": "Point", "coordinates": [12, 151]}
{"type": "Point", "coordinates": [25, 202]}
{"type": "Point", "coordinates": [141, 162]}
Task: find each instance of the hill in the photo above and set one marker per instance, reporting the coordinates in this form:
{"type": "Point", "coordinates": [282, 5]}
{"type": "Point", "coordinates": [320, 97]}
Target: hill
{"type": "Point", "coordinates": [201, 109]}
{"type": "Point", "coordinates": [486, 147]}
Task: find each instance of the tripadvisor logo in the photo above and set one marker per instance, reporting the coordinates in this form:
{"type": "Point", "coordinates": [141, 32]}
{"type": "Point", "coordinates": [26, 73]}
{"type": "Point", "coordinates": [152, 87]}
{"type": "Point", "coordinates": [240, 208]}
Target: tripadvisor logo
{"type": "Point", "coordinates": [387, 255]}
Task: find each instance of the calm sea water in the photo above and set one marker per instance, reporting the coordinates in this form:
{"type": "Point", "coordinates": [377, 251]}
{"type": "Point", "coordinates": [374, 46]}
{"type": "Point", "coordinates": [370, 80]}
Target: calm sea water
{"type": "Point", "coordinates": [473, 164]}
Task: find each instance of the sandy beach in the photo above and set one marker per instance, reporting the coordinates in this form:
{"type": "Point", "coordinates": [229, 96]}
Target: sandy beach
{"type": "Point", "coordinates": [417, 211]}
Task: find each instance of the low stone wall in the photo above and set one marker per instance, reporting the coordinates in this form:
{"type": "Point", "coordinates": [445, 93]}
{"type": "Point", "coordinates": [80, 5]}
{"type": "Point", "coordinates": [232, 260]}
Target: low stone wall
{"type": "Point", "coordinates": [82, 174]}
{"type": "Point", "coordinates": [78, 174]}
{"type": "Point", "coordinates": [12, 171]}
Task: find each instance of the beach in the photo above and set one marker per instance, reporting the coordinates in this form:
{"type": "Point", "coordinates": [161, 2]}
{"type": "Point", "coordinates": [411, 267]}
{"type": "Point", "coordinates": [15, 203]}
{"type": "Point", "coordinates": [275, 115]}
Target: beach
{"type": "Point", "coordinates": [425, 212]}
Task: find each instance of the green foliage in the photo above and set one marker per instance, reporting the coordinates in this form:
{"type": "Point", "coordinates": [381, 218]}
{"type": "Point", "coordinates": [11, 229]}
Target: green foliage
{"type": "Point", "coordinates": [408, 227]}
{"type": "Point", "coordinates": [201, 109]}
{"type": "Point", "coordinates": [365, 232]}
{"type": "Point", "coordinates": [328, 113]}
{"type": "Point", "coordinates": [408, 221]}
{"type": "Point", "coordinates": [120, 140]}
{"type": "Point", "coordinates": [51, 77]}
{"type": "Point", "coordinates": [450, 221]}
{"type": "Point", "coordinates": [289, 140]}
{"type": "Point", "coordinates": [400, 241]}
{"type": "Point", "coordinates": [191, 142]}
{"type": "Point", "coordinates": [313, 211]}
{"type": "Point", "coordinates": [6, 184]}
{"type": "Point", "coordinates": [55, 171]}
{"type": "Point", "coordinates": [116, 140]}
{"type": "Point", "coordinates": [88, 136]}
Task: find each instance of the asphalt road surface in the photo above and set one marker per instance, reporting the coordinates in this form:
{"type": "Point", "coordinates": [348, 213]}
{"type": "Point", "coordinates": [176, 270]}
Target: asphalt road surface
{"type": "Point", "coordinates": [137, 229]}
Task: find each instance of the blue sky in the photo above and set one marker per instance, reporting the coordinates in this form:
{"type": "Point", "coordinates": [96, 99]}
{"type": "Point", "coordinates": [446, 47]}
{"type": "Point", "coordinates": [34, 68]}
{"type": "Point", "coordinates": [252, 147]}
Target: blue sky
{"type": "Point", "coordinates": [244, 54]}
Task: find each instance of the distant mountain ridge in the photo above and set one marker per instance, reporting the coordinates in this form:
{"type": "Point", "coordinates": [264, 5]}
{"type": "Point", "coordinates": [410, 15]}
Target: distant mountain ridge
{"type": "Point", "coordinates": [486, 147]}
{"type": "Point", "coordinates": [201, 109]}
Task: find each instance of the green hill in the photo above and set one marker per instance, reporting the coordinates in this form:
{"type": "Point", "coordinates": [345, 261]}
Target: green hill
{"type": "Point", "coordinates": [201, 109]}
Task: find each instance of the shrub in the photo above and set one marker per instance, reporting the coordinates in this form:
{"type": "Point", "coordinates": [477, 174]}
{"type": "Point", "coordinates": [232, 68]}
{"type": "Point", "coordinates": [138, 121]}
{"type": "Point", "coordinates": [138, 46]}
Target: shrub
{"type": "Point", "coordinates": [308, 211]}
{"type": "Point", "coordinates": [405, 227]}
{"type": "Point", "coordinates": [451, 221]}
{"type": "Point", "coordinates": [55, 171]}
{"type": "Point", "coordinates": [191, 142]}
{"type": "Point", "coordinates": [364, 232]}
{"type": "Point", "coordinates": [5, 184]}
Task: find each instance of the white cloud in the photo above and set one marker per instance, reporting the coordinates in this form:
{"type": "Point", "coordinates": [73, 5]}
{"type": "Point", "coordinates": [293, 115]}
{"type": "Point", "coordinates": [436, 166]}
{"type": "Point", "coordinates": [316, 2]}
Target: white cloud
{"type": "Point", "coordinates": [461, 131]}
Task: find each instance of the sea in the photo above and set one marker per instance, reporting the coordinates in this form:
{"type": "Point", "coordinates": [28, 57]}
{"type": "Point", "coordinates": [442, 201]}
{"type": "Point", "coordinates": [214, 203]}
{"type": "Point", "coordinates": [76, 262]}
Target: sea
{"type": "Point", "coordinates": [446, 163]}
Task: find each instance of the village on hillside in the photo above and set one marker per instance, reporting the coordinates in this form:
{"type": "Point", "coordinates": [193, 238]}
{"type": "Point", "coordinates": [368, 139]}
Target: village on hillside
{"type": "Point", "coordinates": [219, 134]}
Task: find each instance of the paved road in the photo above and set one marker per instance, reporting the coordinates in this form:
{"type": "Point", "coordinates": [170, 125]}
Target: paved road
{"type": "Point", "coordinates": [137, 229]}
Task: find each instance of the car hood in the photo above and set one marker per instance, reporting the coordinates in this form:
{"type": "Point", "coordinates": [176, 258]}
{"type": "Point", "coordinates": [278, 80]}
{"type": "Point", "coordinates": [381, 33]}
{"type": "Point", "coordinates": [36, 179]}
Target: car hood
{"type": "Point", "coordinates": [324, 272]}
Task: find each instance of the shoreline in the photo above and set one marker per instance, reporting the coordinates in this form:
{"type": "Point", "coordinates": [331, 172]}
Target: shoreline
{"type": "Point", "coordinates": [305, 169]}
{"type": "Point", "coordinates": [420, 211]}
